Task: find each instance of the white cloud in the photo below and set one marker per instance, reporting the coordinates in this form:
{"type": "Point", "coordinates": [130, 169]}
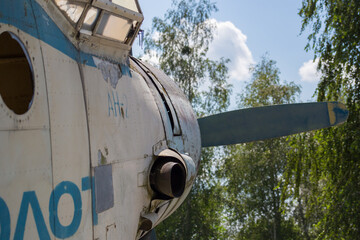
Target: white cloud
{"type": "Point", "coordinates": [151, 58]}
{"type": "Point", "coordinates": [230, 42]}
{"type": "Point", "coordinates": [308, 71]}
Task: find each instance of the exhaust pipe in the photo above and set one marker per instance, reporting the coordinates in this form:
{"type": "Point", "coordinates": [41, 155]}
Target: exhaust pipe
{"type": "Point", "coordinates": [168, 177]}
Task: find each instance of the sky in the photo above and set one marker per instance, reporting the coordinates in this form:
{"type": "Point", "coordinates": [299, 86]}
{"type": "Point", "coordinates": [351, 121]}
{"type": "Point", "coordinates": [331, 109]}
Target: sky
{"type": "Point", "coordinates": [247, 30]}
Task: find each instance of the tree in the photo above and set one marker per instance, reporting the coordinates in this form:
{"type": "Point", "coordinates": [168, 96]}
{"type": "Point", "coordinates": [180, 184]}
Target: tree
{"type": "Point", "coordinates": [181, 40]}
{"type": "Point", "coordinates": [254, 171]}
{"type": "Point", "coordinates": [302, 181]}
{"type": "Point", "coordinates": [265, 87]}
{"type": "Point", "coordinates": [330, 173]}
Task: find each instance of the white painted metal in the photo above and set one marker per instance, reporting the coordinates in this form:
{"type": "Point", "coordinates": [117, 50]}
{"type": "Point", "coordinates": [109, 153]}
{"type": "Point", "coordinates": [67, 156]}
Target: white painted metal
{"type": "Point", "coordinates": [25, 148]}
{"type": "Point", "coordinates": [125, 9]}
{"type": "Point", "coordinates": [69, 134]}
{"type": "Point", "coordinates": [130, 4]}
{"type": "Point", "coordinates": [124, 125]}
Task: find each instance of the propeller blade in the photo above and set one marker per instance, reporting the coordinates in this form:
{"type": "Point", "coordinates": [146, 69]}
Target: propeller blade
{"type": "Point", "coordinates": [260, 123]}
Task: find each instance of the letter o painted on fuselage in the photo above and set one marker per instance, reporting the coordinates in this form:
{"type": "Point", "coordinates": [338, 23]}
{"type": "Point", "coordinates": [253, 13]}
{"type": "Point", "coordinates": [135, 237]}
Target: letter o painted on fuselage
{"type": "Point", "coordinates": [4, 221]}
{"type": "Point", "coordinates": [57, 228]}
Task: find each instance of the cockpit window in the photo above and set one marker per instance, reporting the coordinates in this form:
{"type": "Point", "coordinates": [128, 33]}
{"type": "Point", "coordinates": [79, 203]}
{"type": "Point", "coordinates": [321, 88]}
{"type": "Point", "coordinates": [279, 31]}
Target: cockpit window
{"type": "Point", "coordinates": [90, 19]}
{"type": "Point", "coordinates": [72, 10]}
{"type": "Point", "coordinates": [118, 20]}
{"type": "Point", "coordinates": [114, 27]}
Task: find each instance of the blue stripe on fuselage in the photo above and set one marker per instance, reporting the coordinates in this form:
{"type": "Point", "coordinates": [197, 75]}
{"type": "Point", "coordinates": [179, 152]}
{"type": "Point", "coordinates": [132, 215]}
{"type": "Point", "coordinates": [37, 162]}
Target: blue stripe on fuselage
{"type": "Point", "coordinates": [24, 14]}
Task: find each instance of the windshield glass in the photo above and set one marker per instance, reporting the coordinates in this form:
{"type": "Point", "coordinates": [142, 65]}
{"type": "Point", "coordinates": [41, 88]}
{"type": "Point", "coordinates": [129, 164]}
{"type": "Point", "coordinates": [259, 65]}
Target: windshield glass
{"type": "Point", "coordinates": [114, 27]}
{"type": "Point", "coordinates": [72, 10]}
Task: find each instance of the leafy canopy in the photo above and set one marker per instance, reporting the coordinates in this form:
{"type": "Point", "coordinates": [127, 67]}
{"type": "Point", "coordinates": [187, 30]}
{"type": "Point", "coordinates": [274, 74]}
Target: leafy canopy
{"type": "Point", "coordinates": [253, 171]}
{"type": "Point", "coordinates": [324, 168]}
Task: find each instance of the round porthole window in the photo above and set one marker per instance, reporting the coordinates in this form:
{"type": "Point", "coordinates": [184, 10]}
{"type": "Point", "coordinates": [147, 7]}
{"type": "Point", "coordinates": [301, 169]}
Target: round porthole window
{"type": "Point", "coordinates": [16, 75]}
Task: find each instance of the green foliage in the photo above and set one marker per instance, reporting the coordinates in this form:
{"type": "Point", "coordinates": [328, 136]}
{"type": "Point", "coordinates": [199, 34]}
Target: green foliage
{"type": "Point", "coordinates": [335, 39]}
{"type": "Point", "coordinates": [181, 40]}
{"type": "Point", "coordinates": [254, 171]}
{"type": "Point", "coordinates": [324, 167]}
{"type": "Point", "coordinates": [265, 87]}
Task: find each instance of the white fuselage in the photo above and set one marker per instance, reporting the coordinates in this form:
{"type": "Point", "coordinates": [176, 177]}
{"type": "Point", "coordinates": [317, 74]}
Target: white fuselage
{"type": "Point", "coordinates": [87, 114]}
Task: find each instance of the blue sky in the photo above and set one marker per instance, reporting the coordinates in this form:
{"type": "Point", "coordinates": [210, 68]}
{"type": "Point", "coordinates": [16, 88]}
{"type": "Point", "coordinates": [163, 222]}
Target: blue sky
{"type": "Point", "coordinates": [247, 29]}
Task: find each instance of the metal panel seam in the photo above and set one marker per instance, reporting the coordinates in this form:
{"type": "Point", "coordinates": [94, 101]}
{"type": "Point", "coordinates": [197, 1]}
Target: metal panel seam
{"type": "Point", "coordinates": [47, 96]}
{"type": "Point", "coordinates": [88, 131]}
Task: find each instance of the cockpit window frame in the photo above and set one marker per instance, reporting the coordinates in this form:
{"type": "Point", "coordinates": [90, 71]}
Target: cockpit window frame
{"type": "Point", "coordinates": [99, 23]}
{"type": "Point", "coordinates": [105, 7]}
{"type": "Point", "coordinates": [118, 10]}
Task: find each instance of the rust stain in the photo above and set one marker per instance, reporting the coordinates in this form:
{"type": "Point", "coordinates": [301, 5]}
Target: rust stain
{"type": "Point", "coordinates": [122, 112]}
{"type": "Point", "coordinates": [106, 151]}
{"type": "Point", "coordinates": [101, 158]}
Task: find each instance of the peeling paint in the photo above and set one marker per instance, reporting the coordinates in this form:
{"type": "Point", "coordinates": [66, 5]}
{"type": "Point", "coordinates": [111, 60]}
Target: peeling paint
{"type": "Point", "coordinates": [125, 70]}
{"type": "Point", "coordinates": [111, 72]}
{"type": "Point", "coordinates": [73, 11]}
{"type": "Point", "coordinates": [46, 20]}
{"type": "Point", "coordinates": [101, 158]}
